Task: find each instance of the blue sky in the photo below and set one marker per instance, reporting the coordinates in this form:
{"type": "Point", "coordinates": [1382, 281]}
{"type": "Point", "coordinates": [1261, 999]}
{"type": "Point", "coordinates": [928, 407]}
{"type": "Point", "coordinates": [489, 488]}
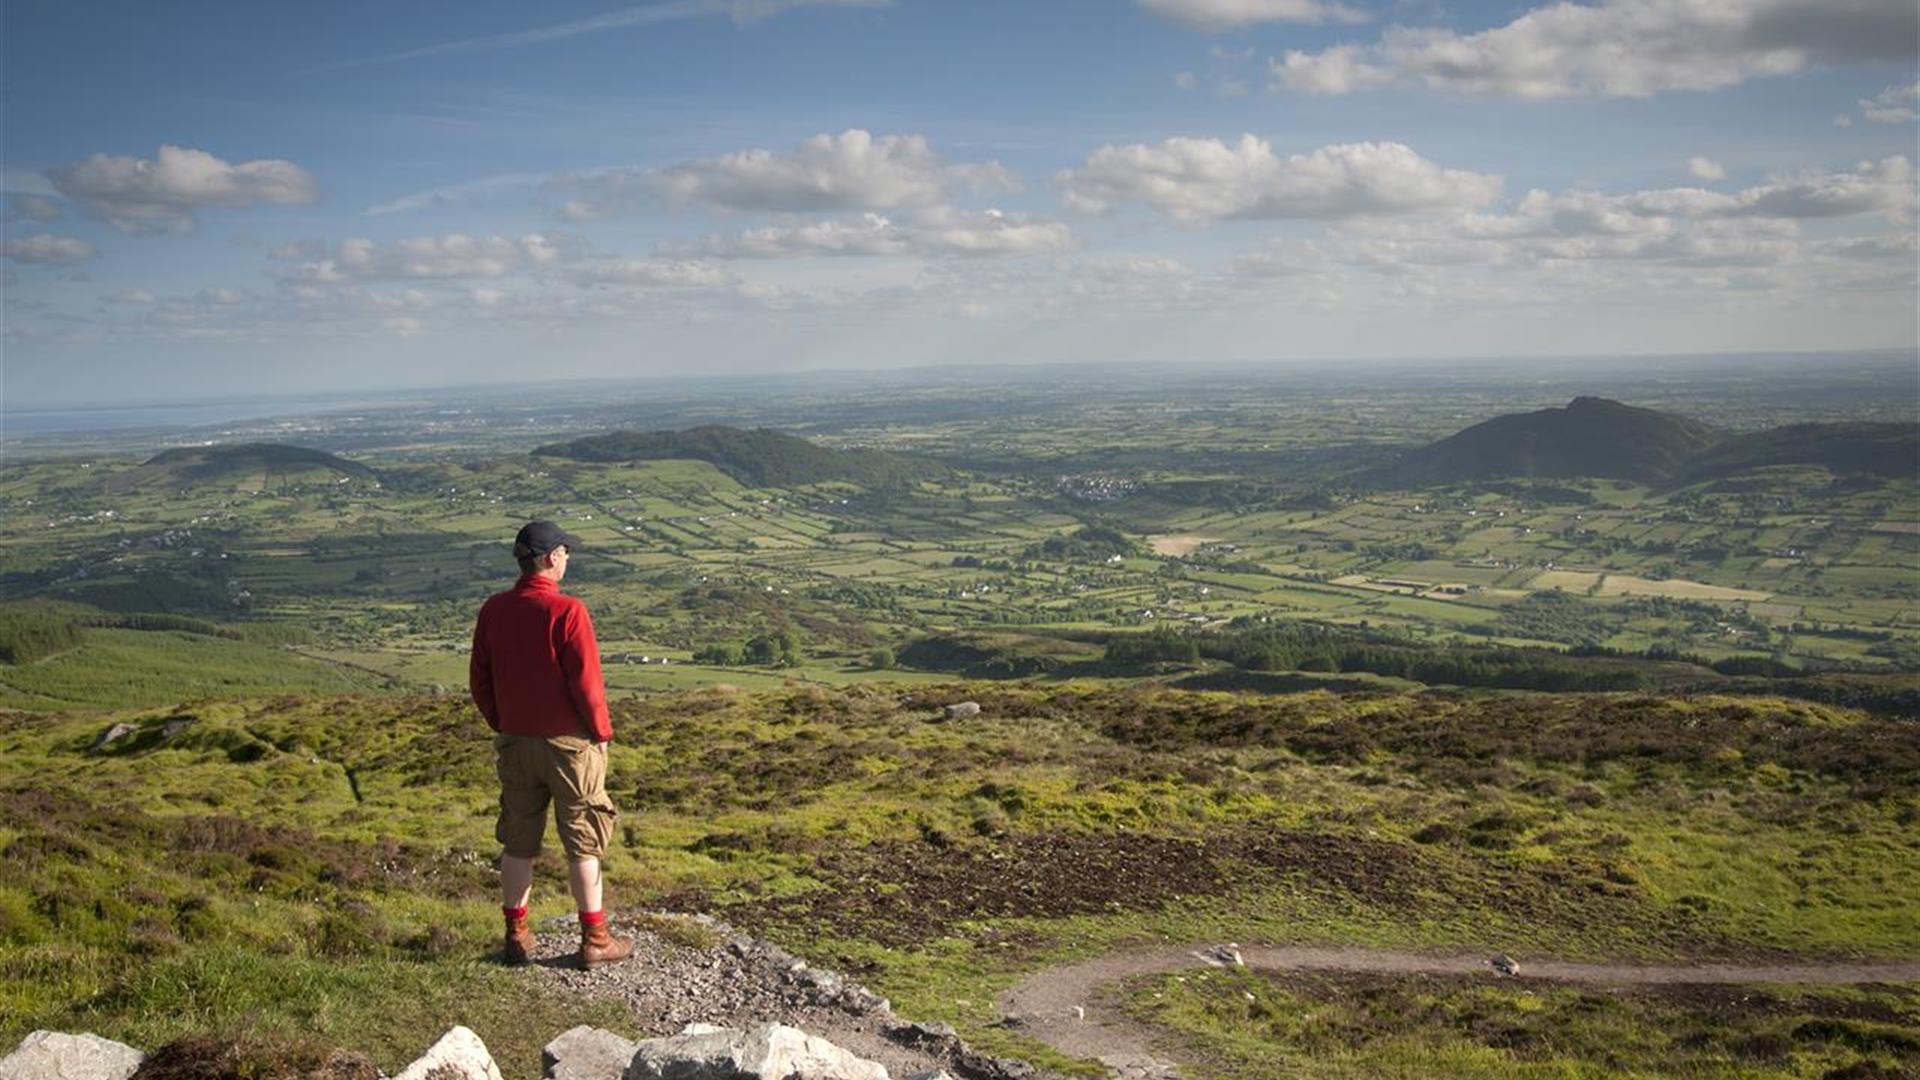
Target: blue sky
{"type": "Point", "coordinates": [220, 199]}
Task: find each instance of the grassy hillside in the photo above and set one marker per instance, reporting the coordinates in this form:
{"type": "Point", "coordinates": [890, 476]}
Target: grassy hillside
{"type": "Point", "coordinates": [1264, 1027]}
{"type": "Point", "coordinates": [324, 863]}
{"type": "Point", "coordinates": [1590, 437]}
{"type": "Point", "coordinates": [1890, 450]}
{"type": "Point", "coordinates": [255, 466]}
{"type": "Point", "coordinates": [114, 666]}
{"type": "Point", "coordinates": [761, 457]}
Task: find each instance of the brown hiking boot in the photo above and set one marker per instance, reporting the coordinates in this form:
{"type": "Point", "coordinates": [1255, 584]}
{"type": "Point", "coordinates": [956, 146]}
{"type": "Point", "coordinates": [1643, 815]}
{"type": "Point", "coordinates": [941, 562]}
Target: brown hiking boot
{"type": "Point", "coordinates": [519, 949]}
{"type": "Point", "coordinates": [599, 946]}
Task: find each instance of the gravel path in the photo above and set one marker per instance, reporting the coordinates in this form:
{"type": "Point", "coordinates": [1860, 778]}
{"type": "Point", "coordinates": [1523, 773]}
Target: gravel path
{"type": "Point", "coordinates": [1064, 1008]}
{"type": "Point", "coordinates": [737, 981]}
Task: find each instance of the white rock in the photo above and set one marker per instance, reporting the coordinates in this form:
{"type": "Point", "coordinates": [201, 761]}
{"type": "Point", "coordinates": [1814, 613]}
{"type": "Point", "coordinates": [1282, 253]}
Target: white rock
{"type": "Point", "coordinates": [1222, 956]}
{"type": "Point", "coordinates": [107, 738]}
{"type": "Point", "coordinates": [459, 1054]}
{"type": "Point", "coordinates": [586, 1053]}
{"type": "Point", "coordinates": [56, 1055]}
{"type": "Point", "coordinates": [962, 710]}
{"type": "Point", "coordinates": [762, 1052]}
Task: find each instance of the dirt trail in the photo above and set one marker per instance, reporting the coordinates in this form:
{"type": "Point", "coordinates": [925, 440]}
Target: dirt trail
{"type": "Point", "coordinates": [1048, 1005]}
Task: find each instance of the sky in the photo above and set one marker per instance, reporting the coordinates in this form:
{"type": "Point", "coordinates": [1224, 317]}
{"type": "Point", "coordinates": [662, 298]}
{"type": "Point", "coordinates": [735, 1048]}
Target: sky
{"type": "Point", "coordinates": [215, 200]}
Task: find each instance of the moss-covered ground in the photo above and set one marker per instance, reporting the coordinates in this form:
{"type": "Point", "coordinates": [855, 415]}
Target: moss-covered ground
{"type": "Point", "coordinates": [323, 864]}
{"type": "Point", "coordinates": [1261, 1027]}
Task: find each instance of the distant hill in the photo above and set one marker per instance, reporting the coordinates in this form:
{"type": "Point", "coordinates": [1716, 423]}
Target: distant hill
{"type": "Point", "coordinates": [761, 457]}
{"type": "Point", "coordinates": [1591, 437]}
{"type": "Point", "coordinates": [1880, 449]}
{"type": "Point", "coordinates": [268, 463]}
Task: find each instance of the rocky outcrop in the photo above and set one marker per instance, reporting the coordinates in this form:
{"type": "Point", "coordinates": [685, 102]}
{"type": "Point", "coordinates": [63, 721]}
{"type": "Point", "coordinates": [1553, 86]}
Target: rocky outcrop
{"type": "Point", "coordinates": [762, 1052]}
{"type": "Point", "coordinates": [113, 735]}
{"type": "Point", "coordinates": [459, 1055]}
{"type": "Point", "coordinates": [716, 974]}
{"type": "Point", "coordinates": [56, 1055]}
{"type": "Point", "coordinates": [743, 1009]}
{"type": "Point", "coordinates": [585, 1053]}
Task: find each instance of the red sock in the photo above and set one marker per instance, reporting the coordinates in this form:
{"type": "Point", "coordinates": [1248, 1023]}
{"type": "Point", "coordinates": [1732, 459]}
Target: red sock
{"type": "Point", "coordinates": [593, 918]}
{"type": "Point", "coordinates": [514, 912]}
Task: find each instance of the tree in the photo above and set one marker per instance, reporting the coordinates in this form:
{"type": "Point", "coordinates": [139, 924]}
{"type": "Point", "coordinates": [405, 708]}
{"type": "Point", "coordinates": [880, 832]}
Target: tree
{"type": "Point", "coordinates": [723, 654]}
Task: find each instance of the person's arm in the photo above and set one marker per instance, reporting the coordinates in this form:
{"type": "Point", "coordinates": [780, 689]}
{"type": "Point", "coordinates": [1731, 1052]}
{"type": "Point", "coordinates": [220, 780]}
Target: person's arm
{"type": "Point", "coordinates": [480, 680]}
{"type": "Point", "coordinates": [580, 664]}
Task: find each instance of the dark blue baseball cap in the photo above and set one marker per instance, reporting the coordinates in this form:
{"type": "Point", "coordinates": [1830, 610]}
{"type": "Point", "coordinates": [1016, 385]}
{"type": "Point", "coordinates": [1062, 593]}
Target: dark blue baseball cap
{"type": "Point", "coordinates": [540, 537]}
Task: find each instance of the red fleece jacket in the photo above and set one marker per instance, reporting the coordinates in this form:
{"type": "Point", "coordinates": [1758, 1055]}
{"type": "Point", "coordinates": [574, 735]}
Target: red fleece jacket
{"type": "Point", "coordinates": [536, 666]}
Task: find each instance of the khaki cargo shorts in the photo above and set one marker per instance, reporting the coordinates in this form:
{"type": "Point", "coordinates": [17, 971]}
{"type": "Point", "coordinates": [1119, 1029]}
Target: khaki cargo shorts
{"type": "Point", "coordinates": [568, 770]}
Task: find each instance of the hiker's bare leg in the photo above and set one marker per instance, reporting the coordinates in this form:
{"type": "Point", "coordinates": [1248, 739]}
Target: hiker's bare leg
{"type": "Point", "coordinates": [516, 881]}
{"type": "Point", "coordinates": [583, 877]}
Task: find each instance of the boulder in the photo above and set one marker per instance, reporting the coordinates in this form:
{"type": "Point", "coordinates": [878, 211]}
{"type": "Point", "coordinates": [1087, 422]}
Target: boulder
{"type": "Point", "coordinates": [56, 1055]}
{"type": "Point", "coordinates": [962, 709]}
{"type": "Point", "coordinates": [1223, 955]}
{"type": "Point", "coordinates": [459, 1055]}
{"type": "Point", "coordinates": [930, 1035]}
{"type": "Point", "coordinates": [861, 1001]}
{"type": "Point", "coordinates": [586, 1053]}
{"type": "Point", "coordinates": [107, 738]}
{"type": "Point", "coordinates": [762, 1052]}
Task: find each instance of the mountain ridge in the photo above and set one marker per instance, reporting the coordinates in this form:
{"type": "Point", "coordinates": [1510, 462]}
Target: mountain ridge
{"type": "Point", "coordinates": [760, 457]}
{"type": "Point", "coordinates": [1588, 437]}
{"type": "Point", "coordinates": [207, 464]}
{"type": "Point", "coordinates": [1598, 438]}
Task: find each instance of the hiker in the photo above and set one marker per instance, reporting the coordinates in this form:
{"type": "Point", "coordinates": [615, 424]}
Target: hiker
{"type": "Point", "coordinates": [535, 675]}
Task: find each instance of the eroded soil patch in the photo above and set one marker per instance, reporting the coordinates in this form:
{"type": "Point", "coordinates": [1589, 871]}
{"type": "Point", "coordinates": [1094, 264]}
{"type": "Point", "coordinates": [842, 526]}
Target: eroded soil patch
{"type": "Point", "coordinates": [905, 894]}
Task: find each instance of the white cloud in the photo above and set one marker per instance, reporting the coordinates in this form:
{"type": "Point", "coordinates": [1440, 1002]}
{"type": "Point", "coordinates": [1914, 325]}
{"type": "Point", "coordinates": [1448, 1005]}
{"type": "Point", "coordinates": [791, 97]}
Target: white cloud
{"type": "Point", "coordinates": [1872, 187]}
{"type": "Point", "coordinates": [990, 232]}
{"type": "Point", "coordinates": [1705, 169]}
{"type": "Point", "coordinates": [1616, 48]}
{"type": "Point", "coordinates": [1688, 239]}
{"type": "Point", "coordinates": [455, 255]}
{"type": "Point", "coordinates": [1196, 181]}
{"type": "Point", "coordinates": [934, 231]}
{"type": "Point", "coordinates": [137, 297]}
{"type": "Point", "coordinates": [1216, 15]}
{"type": "Point", "coordinates": [1894, 105]}
{"type": "Point", "coordinates": [48, 250]}
{"type": "Point", "coordinates": [853, 170]}
{"type": "Point", "coordinates": [1891, 246]}
{"type": "Point", "coordinates": [1185, 80]}
{"type": "Point", "coordinates": [37, 208]}
{"type": "Point", "coordinates": [162, 194]}
{"type": "Point", "coordinates": [871, 234]}
{"type": "Point", "coordinates": [653, 273]}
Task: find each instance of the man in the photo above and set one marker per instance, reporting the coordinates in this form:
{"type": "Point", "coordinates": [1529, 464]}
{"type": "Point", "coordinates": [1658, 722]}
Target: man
{"type": "Point", "coordinates": [535, 675]}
